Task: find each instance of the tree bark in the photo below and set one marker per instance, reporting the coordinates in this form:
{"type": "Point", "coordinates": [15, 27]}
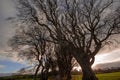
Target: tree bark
{"type": "Point", "coordinates": [84, 62]}
{"type": "Point", "coordinates": [44, 74]}
{"type": "Point", "coordinates": [69, 77]}
{"type": "Point", "coordinates": [68, 74]}
{"type": "Point", "coordinates": [36, 72]}
{"type": "Point", "coordinates": [88, 73]}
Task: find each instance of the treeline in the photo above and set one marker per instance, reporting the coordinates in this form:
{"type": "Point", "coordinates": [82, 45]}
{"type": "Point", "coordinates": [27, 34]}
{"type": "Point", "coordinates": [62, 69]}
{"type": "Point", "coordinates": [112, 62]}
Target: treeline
{"type": "Point", "coordinates": [17, 77]}
{"type": "Point", "coordinates": [99, 70]}
{"type": "Point", "coordinates": [25, 76]}
{"type": "Point", "coordinates": [107, 70]}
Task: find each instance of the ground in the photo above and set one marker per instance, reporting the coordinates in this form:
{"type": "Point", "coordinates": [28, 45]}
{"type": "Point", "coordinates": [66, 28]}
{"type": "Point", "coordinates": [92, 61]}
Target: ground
{"type": "Point", "coordinates": [104, 76]}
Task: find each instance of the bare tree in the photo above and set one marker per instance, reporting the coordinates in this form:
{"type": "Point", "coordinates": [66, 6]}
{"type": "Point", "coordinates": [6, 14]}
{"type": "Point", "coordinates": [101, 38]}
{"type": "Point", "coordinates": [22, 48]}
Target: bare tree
{"type": "Point", "coordinates": [64, 61]}
{"type": "Point", "coordinates": [30, 44]}
{"type": "Point", "coordinates": [62, 55]}
{"type": "Point", "coordinates": [84, 25]}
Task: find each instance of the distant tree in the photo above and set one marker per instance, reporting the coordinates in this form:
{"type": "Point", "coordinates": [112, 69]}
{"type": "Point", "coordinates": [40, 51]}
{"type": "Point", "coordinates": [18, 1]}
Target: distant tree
{"type": "Point", "coordinates": [21, 70]}
{"type": "Point", "coordinates": [84, 25]}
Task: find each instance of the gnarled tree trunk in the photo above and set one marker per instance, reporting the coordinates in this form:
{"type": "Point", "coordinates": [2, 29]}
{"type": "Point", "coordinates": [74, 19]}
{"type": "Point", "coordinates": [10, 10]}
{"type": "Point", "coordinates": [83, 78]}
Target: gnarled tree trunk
{"type": "Point", "coordinates": [84, 62]}
{"type": "Point", "coordinates": [69, 77]}
{"type": "Point", "coordinates": [36, 72]}
{"type": "Point", "coordinates": [88, 73]}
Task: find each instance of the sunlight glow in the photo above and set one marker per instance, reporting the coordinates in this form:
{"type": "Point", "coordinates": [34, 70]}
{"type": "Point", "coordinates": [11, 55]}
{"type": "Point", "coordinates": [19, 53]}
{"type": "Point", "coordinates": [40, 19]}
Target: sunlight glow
{"type": "Point", "coordinates": [107, 57]}
{"type": "Point", "coordinates": [77, 68]}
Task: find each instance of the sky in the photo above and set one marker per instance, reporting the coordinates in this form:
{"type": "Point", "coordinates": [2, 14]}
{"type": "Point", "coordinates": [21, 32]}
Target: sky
{"type": "Point", "coordinates": [12, 64]}
{"type": "Point", "coordinates": [7, 64]}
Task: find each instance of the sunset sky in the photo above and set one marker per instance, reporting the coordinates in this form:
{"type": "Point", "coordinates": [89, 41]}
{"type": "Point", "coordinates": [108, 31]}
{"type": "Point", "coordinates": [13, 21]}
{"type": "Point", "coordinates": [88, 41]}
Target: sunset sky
{"type": "Point", "coordinates": [12, 64]}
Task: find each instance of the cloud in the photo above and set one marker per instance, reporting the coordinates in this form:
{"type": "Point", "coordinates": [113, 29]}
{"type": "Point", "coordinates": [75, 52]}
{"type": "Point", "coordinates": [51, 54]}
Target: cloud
{"type": "Point", "coordinates": [107, 65]}
{"type": "Point", "coordinates": [2, 66]}
{"type": "Point", "coordinates": [108, 57]}
{"type": "Point", "coordinates": [6, 27]}
{"type": "Point", "coordinates": [7, 30]}
{"type": "Point", "coordinates": [13, 57]}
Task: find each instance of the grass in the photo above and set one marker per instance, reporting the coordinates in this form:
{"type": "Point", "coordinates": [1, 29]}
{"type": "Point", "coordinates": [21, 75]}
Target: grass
{"type": "Point", "coordinates": [109, 76]}
{"type": "Point", "coordinates": [104, 76]}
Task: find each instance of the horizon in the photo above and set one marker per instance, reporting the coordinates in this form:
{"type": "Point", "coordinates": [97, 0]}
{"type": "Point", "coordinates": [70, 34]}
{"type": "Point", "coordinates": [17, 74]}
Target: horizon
{"type": "Point", "coordinates": [9, 65]}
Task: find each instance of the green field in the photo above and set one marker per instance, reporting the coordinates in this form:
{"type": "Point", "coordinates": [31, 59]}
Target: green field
{"type": "Point", "coordinates": [109, 76]}
{"type": "Point", "coordinates": [104, 76]}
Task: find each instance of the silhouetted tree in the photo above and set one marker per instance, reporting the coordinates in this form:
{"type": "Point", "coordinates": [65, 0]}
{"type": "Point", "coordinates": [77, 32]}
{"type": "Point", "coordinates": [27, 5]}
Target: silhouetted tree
{"type": "Point", "coordinates": [30, 44]}
{"type": "Point", "coordinates": [29, 17]}
{"type": "Point", "coordinates": [84, 25]}
{"type": "Point", "coordinates": [21, 70]}
{"type": "Point", "coordinates": [64, 61]}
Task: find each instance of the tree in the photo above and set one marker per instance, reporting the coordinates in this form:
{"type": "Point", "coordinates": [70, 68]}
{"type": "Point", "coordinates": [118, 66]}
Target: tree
{"type": "Point", "coordinates": [84, 25]}
{"type": "Point", "coordinates": [27, 14]}
{"type": "Point", "coordinates": [30, 44]}
{"type": "Point", "coordinates": [21, 70]}
{"type": "Point", "coordinates": [64, 61]}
